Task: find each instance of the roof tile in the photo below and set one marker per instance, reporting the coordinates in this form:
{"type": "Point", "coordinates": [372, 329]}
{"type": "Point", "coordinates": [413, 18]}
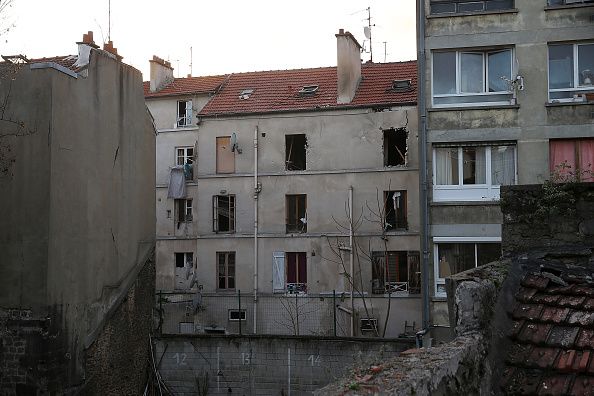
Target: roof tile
{"type": "Point", "coordinates": [589, 304]}
{"type": "Point", "coordinates": [571, 301]}
{"type": "Point", "coordinates": [581, 318]}
{"type": "Point", "coordinates": [585, 339]}
{"type": "Point", "coordinates": [516, 328]}
{"type": "Point", "coordinates": [517, 354]}
{"type": "Point", "coordinates": [554, 314]}
{"type": "Point", "coordinates": [583, 386]}
{"type": "Point", "coordinates": [542, 298]}
{"type": "Point", "coordinates": [524, 382]}
{"type": "Point", "coordinates": [186, 86]}
{"type": "Point", "coordinates": [535, 281]}
{"type": "Point", "coordinates": [543, 357]}
{"type": "Point", "coordinates": [555, 385]}
{"type": "Point", "coordinates": [525, 294]}
{"type": "Point", "coordinates": [527, 311]}
{"type": "Point", "coordinates": [566, 361]}
{"type": "Point", "coordinates": [563, 336]}
{"type": "Point", "coordinates": [536, 333]}
{"type": "Point", "coordinates": [584, 290]}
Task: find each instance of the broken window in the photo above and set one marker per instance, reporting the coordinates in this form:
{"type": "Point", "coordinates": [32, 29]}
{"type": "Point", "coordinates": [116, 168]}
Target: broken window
{"type": "Point", "coordinates": [295, 152]}
{"type": "Point", "coordinates": [185, 158]}
{"type": "Point", "coordinates": [472, 77]}
{"type": "Point", "coordinates": [452, 258]}
{"type": "Point", "coordinates": [296, 215]}
{"type": "Point", "coordinates": [308, 90]}
{"type": "Point", "coordinates": [296, 271]}
{"type": "Point", "coordinates": [401, 85]}
{"type": "Point", "coordinates": [225, 155]}
{"type": "Point", "coordinates": [395, 210]}
{"type": "Point", "coordinates": [183, 210]}
{"type": "Point", "coordinates": [572, 159]}
{"type": "Point", "coordinates": [571, 71]}
{"type": "Point", "coordinates": [394, 147]}
{"type": "Point", "coordinates": [184, 265]}
{"type": "Point", "coordinates": [245, 94]}
{"type": "Point", "coordinates": [389, 272]}
{"type": "Point", "coordinates": [461, 6]}
{"type": "Point", "coordinates": [184, 113]}
{"type": "Point", "coordinates": [472, 172]}
{"type": "Point", "coordinates": [223, 213]}
{"type": "Point", "coordinates": [226, 270]}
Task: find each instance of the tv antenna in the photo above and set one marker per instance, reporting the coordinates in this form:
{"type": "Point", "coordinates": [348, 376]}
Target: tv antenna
{"type": "Point", "coordinates": [108, 20]}
{"type": "Point", "coordinates": [367, 31]}
{"type": "Point", "coordinates": [191, 59]}
{"type": "Point", "coordinates": [385, 50]}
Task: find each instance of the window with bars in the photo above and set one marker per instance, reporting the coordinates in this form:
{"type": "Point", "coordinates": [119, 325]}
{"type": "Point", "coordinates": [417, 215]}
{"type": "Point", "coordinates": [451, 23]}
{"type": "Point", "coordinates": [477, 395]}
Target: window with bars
{"type": "Point", "coordinates": [223, 213]}
{"type": "Point", "coordinates": [226, 270]}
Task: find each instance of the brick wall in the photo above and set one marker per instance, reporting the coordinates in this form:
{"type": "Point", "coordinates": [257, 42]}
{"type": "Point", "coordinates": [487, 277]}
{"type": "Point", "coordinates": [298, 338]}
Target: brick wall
{"type": "Point", "coordinates": [116, 363]}
{"type": "Point", "coordinates": [252, 365]}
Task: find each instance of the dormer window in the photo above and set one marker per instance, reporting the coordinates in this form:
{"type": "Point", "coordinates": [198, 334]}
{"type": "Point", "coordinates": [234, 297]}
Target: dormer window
{"type": "Point", "coordinates": [308, 90]}
{"type": "Point", "coordinates": [401, 86]}
{"type": "Point", "coordinates": [245, 94]}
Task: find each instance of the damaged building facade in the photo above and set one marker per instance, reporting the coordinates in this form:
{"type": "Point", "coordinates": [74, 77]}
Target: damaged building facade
{"type": "Point", "coordinates": [77, 149]}
{"type": "Point", "coordinates": [509, 98]}
{"type": "Point", "coordinates": [259, 173]}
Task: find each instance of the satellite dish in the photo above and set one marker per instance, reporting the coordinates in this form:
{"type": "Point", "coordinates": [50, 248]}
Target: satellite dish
{"type": "Point", "coordinates": [367, 31]}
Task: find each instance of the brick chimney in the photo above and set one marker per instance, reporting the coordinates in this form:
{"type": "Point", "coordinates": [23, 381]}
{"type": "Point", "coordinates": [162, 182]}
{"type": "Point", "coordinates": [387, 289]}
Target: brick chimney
{"type": "Point", "coordinates": [108, 47]}
{"type": "Point", "coordinates": [348, 68]}
{"type": "Point", "coordinates": [161, 73]}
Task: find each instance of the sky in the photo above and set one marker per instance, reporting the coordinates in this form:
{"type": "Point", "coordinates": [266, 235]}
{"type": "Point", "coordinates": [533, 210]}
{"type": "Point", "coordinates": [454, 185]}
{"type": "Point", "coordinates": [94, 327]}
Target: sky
{"type": "Point", "coordinates": [225, 36]}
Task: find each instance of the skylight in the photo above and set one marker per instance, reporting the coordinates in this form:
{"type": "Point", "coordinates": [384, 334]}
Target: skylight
{"type": "Point", "coordinates": [308, 90]}
{"type": "Point", "coordinates": [401, 85]}
{"type": "Point", "coordinates": [245, 94]}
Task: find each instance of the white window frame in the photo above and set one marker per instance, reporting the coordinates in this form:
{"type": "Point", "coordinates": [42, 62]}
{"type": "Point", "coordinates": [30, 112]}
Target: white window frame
{"type": "Point", "coordinates": [186, 157]}
{"type": "Point", "coordinates": [437, 240]}
{"type": "Point", "coordinates": [184, 120]}
{"type": "Point", "coordinates": [185, 204]}
{"type": "Point", "coordinates": [470, 192]}
{"type": "Point", "coordinates": [576, 89]}
{"type": "Point", "coordinates": [485, 92]}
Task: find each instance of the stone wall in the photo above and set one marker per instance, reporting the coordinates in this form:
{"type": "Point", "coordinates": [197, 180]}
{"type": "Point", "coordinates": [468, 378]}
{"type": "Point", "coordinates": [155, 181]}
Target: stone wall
{"type": "Point", "coordinates": [548, 215]}
{"type": "Point", "coordinates": [117, 362]}
{"type": "Point", "coordinates": [252, 365]}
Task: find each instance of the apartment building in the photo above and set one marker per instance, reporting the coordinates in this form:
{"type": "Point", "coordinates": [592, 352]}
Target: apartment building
{"type": "Point", "coordinates": [259, 174]}
{"type": "Point", "coordinates": [508, 93]}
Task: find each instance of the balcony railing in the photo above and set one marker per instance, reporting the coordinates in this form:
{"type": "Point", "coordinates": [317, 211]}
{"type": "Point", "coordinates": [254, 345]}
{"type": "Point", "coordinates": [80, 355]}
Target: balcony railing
{"type": "Point", "coordinates": [296, 288]}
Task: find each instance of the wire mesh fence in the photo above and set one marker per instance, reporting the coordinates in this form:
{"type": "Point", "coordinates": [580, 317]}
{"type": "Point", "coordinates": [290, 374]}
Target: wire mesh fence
{"type": "Point", "coordinates": [274, 314]}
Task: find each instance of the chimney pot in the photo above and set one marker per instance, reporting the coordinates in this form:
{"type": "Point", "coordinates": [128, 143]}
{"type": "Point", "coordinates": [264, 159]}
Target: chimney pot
{"type": "Point", "coordinates": [340, 31]}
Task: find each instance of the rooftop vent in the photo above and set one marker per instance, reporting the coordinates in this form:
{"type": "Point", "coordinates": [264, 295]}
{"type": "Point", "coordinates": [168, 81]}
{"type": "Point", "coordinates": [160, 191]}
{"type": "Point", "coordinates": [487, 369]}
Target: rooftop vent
{"type": "Point", "coordinates": [308, 90]}
{"type": "Point", "coordinates": [245, 94]}
{"type": "Point", "coordinates": [401, 86]}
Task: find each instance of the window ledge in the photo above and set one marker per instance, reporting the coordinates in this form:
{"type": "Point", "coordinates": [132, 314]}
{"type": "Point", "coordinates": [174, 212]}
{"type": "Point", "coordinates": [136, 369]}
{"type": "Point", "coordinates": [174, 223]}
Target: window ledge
{"type": "Point", "coordinates": [439, 299]}
{"type": "Point", "coordinates": [562, 104]}
{"type": "Point", "coordinates": [568, 6]}
{"type": "Point", "coordinates": [473, 13]}
{"type": "Point", "coordinates": [459, 108]}
{"type": "Point", "coordinates": [465, 203]}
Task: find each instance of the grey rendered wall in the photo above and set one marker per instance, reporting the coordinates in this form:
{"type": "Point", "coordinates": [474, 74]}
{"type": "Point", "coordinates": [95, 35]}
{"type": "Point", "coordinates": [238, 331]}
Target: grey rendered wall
{"type": "Point", "coordinates": [264, 365]}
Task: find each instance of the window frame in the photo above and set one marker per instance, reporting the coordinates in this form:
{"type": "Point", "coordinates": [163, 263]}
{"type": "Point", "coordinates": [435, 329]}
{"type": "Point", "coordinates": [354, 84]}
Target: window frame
{"type": "Point", "coordinates": [183, 210]}
{"type": "Point", "coordinates": [297, 228]}
{"type": "Point", "coordinates": [576, 89]}
{"type": "Point", "coordinates": [470, 192]}
{"type": "Point", "coordinates": [437, 280]}
{"type": "Point", "coordinates": [457, 2]}
{"type": "Point", "coordinates": [232, 206]}
{"type": "Point", "coordinates": [402, 220]}
{"type": "Point", "coordinates": [291, 139]}
{"type": "Point", "coordinates": [300, 288]}
{"type": "Point", "coordinates": [185, 120]}
{"type": "Point", "coordinates": [186, 158]}
{"type": "Point", "coordinates": [226, 276]}
{"type": "Point", "coordinates": [458, 80]}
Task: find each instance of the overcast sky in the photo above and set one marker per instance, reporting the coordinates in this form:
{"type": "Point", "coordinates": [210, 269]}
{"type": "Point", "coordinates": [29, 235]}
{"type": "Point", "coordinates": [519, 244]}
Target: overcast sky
{"type": "Point", "coordinates": [226, 36]}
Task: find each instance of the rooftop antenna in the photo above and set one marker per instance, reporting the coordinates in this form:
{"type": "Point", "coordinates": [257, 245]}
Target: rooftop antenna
{"type": "Point", "coordinates": [109, 20]}
{"type": "Point", "coordinates": [385, 50]}
{"type": "Point", "coordinates": [191, 59]}
{"type": "Point", "coordinates": [367, 31]}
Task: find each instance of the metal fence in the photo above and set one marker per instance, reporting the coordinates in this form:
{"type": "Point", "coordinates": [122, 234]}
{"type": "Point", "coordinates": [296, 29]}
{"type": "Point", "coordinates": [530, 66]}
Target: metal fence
{"type": "Point", "coordinates": [275, 314]}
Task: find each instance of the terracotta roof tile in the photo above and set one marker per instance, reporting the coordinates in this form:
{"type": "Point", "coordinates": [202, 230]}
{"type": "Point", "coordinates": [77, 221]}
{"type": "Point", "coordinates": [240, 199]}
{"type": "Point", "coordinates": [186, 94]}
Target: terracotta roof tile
{"type": "Point", "coordinates": [535, 333]}
{"type": "Point", "coordinates": [571, 301]}
{"type": "Point", "coordinates": [581, 318]}
{"type": "Point", "coordinates": [516, 328]}
{"type": "Point", "coordinates": [186, 86]}
{"type": "Point", "coordinates": [554, 385]}
{"type": "Point", "coordinates": [543, 357]}
{"type": "Point", "coordinates": [583, 385]}
{"type": "Point", "coordinates": [278, 90]}
{"type": "Point", "coordinates": [527, 311]}
{"type": "Point", "coordinates": [584, 290]}
{"type": "Point", "coordinates": [545, 298]}
{"type": "Point", "coordinates": [563, 336]}
{"type": "Point", "coordinates": [554, 314]}
{"type": "Point", "coordinates": [585, 339]}
{"type": "Point", "coordinates": [525, 294]}
{"type": "Point", "coordinates": [535, 281]}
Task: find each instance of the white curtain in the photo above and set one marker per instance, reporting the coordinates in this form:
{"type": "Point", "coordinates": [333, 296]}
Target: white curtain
{"type": "Point", "coordinates": [503, 167]}
{"type": "Point", "coordinates": [446, 166]}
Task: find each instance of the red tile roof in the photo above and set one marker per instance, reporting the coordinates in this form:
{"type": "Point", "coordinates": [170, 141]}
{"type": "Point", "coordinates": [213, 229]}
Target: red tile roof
{"type": "Point", "coordinates": [186, 86]}
{"type": "Point", "coordinates": [551, 338]}
{"type": "Point", "coordinates": [278, 90]}
{"type": "Point", "coordinates": [67, 61]}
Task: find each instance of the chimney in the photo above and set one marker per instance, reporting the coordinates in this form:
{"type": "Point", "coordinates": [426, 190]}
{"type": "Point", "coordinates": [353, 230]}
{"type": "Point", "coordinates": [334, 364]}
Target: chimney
{"type": "Point", "coordinates": [108, 47]}
{"type": "Point", "coordinates": [161, 73]}
{"type": "Point", "coordinates": [84, 50]}
{"type": "Point", "coordinates": [348, 67]}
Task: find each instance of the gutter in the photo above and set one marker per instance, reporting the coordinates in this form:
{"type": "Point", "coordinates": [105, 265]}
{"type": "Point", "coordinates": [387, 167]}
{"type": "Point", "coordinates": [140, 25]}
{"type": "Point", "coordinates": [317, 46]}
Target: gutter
{"type": "Point", "coordinates": [422, 109]}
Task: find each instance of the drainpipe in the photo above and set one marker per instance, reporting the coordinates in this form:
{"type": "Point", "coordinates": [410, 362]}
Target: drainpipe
{"type": "Point", "coordinates": [256, 192]}
{"type": "Point", "coordinates": [351, 253]}
{"type": "Point", "coordinates": [423, 161]}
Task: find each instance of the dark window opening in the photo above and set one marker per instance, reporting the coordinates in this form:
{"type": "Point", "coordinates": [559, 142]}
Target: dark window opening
{"type": "Point", "coordinates": [236, 315]}
{"type": "Point", "coordinates": [395, 272]}
{"type": "Point", "coordinates": [183, 260]}
{"type": "Point", "coordinates": [401, 85]}
{"type": "Point", "coordinates": [226, 270]}
{"type": "Point", "coordinates": [308, 90]}
{"type": "Point", "coordinates": [394, 147]}
{"type": "Point", "coordinates": [296, 272]}
{"type": "Point", "coordinates": [223, 219]}
{"type": "Point", "coordinates": [183, 210]}
{"type": "Point", "coordinates": [395, 210]}
{"type": "Point", "coordinates": [295, 152]}
{"type": "Point", "coordinates": [184, 113]}
{"type": "Point", "coordinates": [296, 215]}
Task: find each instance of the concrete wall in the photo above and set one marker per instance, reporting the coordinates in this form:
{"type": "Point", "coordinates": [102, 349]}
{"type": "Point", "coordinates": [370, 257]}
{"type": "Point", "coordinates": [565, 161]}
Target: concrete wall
{"type": "Point", "coordinates": [531, 123]}
{"type": "Point", "coordinates": [263, 365]}
{"type": "Point", "coordinates": [87, 171]}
